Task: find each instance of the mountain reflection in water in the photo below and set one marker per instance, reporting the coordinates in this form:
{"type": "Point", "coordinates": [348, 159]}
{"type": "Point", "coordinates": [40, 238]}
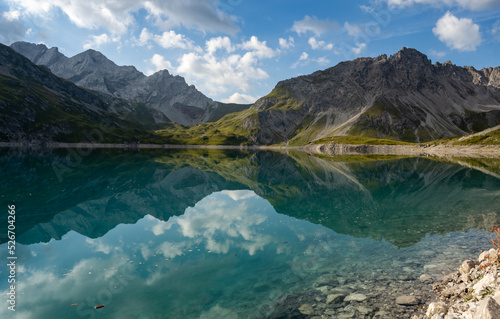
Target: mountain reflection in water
{"type": "Point", "coordinates": [398, 200]}
{"type": "Point", "coordinates": [221, 234]}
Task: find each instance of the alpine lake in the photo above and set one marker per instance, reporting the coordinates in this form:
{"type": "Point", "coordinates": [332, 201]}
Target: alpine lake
{"type": "Point", "coordinates": [235, 233]}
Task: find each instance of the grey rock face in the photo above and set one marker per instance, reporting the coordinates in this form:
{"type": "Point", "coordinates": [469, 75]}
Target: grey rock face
{"type": "Point", "coordinates": [403, 97]}
{"type": "Point", "coordinates": [170, 94]}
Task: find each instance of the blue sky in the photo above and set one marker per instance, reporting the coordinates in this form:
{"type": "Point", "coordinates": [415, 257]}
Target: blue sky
{"type": "Point", "coordinates": [237, 50]}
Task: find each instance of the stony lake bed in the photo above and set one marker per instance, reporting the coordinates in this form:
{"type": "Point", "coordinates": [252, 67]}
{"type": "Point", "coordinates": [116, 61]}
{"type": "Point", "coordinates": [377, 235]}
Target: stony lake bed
{"type": "Point", "coordinates": [241, 233]}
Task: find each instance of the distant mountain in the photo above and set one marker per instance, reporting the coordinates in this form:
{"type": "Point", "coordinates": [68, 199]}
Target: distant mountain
{"type": "Point", "coordinates": [403, 97]}
{"type": "Point", "coordinates": [180, 102]}
{"type": "Point", "coordinates": [37, 105]}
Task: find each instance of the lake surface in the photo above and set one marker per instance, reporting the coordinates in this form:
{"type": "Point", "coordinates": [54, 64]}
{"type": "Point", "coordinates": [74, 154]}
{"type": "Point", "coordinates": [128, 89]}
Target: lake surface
{"type": "Point", "coordinates": [231, 234]}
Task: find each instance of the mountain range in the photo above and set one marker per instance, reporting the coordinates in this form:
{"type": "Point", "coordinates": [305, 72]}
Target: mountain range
{"type": "Point", "coordinates": [36, 105]}
{"type": "Point", "coordinates": [403, 97]}
{"type": "Point", "coordinates": [180, 102]}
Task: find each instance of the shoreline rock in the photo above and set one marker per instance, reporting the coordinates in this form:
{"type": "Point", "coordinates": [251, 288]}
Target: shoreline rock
{"type": "Point", "coordinates": [444, 150]}
{"type": "Point", "coordinates": [471, 292]}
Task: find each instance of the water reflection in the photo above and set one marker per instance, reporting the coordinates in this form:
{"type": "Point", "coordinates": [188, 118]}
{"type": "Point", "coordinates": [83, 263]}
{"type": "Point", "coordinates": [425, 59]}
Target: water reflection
{"type": "Point", "coordinates": [201, 261]}
{"type": "Point", "coordinates": [398, 200]}
{"type": "Point", "coordinates": [212, 234]}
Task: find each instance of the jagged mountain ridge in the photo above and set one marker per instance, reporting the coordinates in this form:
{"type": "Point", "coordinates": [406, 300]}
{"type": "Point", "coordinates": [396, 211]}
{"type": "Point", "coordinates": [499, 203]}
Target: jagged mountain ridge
{"type": "Point", "coordinates": [37, 105]}
{"type": "Point", "coordinates": [180, 102]}
{"type": "Point", "coordinates": [403, 97]}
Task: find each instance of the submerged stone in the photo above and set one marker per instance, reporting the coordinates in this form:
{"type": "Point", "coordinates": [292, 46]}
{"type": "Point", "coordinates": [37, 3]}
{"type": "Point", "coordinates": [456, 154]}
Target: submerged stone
{"type": "Point", "coordinates": [355, 297]}
{"type": "Point", "coordinates": [306, 309]}
{"type": "Point", "coordinates": [425, 278]}
{"type": "Point", "coordinates": [334, 298]}
{"type": "Point", "coordinates": [407, 300]}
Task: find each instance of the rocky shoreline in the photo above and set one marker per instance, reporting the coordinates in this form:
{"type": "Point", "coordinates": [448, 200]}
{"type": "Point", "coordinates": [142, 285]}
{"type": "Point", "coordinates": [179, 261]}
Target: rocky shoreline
{"type": "Point", "coordinates": [403, 150]}
{"type": "Point", "coordinates": [337, 297]}
{"type": "Point", "coordinates": [471, 292]}
{"type": "Point", "coordinates": [329, 149]}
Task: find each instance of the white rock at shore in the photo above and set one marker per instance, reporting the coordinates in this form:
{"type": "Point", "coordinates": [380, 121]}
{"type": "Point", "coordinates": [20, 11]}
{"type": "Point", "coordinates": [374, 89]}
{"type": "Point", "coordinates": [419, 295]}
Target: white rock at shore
{"type": "Point", "coordinates": [472, 292]}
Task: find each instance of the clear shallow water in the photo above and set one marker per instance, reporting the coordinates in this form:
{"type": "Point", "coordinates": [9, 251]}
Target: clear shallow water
{"type": "Point", "coordinates": [220, 234]}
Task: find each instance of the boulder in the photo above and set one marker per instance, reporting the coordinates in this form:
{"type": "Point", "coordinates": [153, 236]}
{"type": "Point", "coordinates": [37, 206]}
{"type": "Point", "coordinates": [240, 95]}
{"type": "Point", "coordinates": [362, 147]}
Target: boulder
{"type": "Point", "coordinates": [467, 266]}
{"type": "Point", "coordinates": [487, 309]}
{"type": "Point", "coordinates": [483, 256]}
{"type": "Point", "coordinates": [493, 255]}
{"type": "Point", "coordinates": [483, 285]}
{"type": "Point", "coordinates": [436, 308]}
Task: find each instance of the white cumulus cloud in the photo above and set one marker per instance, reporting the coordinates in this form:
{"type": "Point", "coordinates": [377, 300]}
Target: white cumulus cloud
{"type": "Point", "coordinates": [359, 48]}
{"type": "Point", "coordinates": [287, 44]}
{"type": "Point", "coordinates": [316, 45]}
{"type": "Point", "coordinates": [459, 34]}
{"type": "Point", "coordinates": [115, 16]}
{"type": "Point", "coordinates": [303, 60]}
{"type": "Point", "coordinates": [96, 41]}
{"type": "Point", "coordinates": [314, 25]}
{"type": "Point", "coordinates": [199, 14]}
{"type": "Point", "coordinates": [232, 71]}
{"type": "Point", "coordinates": [240, 99]}
{"type": "Point", "coordinates": [167, 40]}
{"type": "Point", "coordinates": [118, 16]}
{"type": "Point", "coordinates": [12, 15]}
{"type": "Point", "coordinates": [170, 39]}
{"type": "Point", "coordinates": [259, 48]}
{"type": "Point", "coordinates": [217, 43]}
{"type": "Point", "coordinates": [437, 54]}
{"type": "Point", "coordinates": [160, 64]}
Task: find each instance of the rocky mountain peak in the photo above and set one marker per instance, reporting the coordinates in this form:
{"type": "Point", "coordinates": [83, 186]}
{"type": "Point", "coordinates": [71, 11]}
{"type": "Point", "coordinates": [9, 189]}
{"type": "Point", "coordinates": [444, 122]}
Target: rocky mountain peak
{"type": "Point", "coordinates": [406, 55]}
{"type": "Point", "coordinates": [170, 94]}
{"type": "Point", "coordinates": [93, 59]}
{"type": "Point", "coordinates": [39, 53]}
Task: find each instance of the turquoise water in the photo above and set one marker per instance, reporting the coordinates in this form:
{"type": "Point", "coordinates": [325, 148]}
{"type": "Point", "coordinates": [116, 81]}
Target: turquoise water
{"type": "Point", "coordinates": [212, 234]}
